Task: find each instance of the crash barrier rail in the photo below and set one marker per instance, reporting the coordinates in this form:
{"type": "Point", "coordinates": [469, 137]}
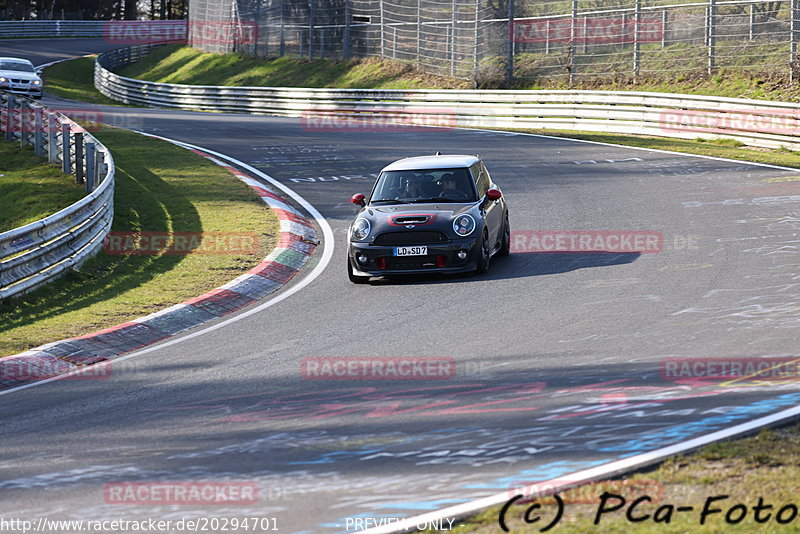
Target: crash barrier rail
{"type": "Point", "coordinates": [752, 122]}
{"type": "Point", "coordinates": [120, 31]}
{"type": "Point", "coordinates": [38, 252]}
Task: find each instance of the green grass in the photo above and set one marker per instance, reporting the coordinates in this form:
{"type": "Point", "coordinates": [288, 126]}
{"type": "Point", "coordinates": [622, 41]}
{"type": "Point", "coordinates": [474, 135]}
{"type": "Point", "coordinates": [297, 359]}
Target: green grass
{"type": "Point", "coordinates": [74, 79]}
{"type": "Point", "coordinates": [163, 188]}
{"type": "Point", "coordinates": [766, 465]}
{"type": "Point", "coordinates": [181, 64]}
{"type": "Point", "coordinates": [31, 188]}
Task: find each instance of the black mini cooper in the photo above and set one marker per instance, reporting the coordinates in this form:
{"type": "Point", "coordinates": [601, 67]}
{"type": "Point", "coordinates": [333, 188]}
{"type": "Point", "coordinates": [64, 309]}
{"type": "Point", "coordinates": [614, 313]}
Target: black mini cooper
{"type": "Point", "coordinates": [428, 214]}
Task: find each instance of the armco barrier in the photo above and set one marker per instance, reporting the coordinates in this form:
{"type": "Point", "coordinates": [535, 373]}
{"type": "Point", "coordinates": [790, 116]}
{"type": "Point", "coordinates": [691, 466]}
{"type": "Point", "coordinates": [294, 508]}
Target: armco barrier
{"type": "Point", "coordinates": [753, 122]}
{"type": "Point", "coordinates": [120, 31]}
{"type": "Point", "coordinates": [40, 251]}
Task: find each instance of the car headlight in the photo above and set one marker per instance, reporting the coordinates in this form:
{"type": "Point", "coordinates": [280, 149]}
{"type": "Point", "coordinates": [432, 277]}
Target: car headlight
{"type": "Point", "coordinates": [3, 79]}
{"type": "Point", "coordinates": [361, 229]}
{"type": "Point", "coordinates": [463, 225]}
{"type": "Point", "coordinates": [37, 82]}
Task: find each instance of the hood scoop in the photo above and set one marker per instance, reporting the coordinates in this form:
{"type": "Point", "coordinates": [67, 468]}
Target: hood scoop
{"type": "Point", "coordinates": [402, 220]}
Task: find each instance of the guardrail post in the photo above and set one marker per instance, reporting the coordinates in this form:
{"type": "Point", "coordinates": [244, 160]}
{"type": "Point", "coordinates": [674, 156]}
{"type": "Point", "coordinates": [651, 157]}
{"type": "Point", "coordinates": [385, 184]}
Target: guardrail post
{"type": "Point", "coordinates": [90, 167]}
{"type": "Point", "coordinates": [510, 50]}
{"type": "Point", "coordinates": [10, 117]}
{"type": "Point", "coordinates": [52, 138]}
{"type": "Point", "coordinates": [79, 174]}
{"type": "Point", "coordinates": [66, 149]}
{"type": "Point", "coordinates": [712, 35]}
{"type": "Point", "coordinates": [38, 135]}
{"type": "Point", "coordinates": [23, 112]}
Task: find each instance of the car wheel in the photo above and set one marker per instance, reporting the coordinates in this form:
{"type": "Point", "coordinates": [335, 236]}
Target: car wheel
{"type": "Point", "coordinates": [505, 244]}
{"type": "Point", "coordinates": [484, 256]}
{"type": "Point", "coordinates": [356, 279]}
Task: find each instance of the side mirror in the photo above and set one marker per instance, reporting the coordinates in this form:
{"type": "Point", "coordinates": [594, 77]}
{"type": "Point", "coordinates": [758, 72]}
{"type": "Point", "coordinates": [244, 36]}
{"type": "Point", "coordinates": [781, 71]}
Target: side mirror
{"type": "Point", "coordinates": [359, 199]}
{"type": "Point", "coordinates": [493, 194]}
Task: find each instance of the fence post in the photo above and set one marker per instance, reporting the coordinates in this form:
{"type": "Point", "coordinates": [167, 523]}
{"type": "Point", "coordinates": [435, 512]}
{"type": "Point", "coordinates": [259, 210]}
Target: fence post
{"type": "Point", "coordinates": [453, 40]}
{"type": "Point", "coordinates": [664, 24]}
{"type": "Point", "coordinates": [346, 35]}
{"type": "Point", "coordinates": [52, 138]}
{"type": "Point", "coordinates": [282, 50]}
{"type": "Point", "coordinates": [712, 35]}
{"type": "Point", "coordinates": [475, 51]}
{"type": "Point", "coordinates": [419, 27]}
{"type": "Point", "coordinates": [572, 35]}
{"type": "Point", "coordinates": [78, 140]}
{"type": "Point", "coordinates": [10, 117]}
{"type": "Point", "coordinates": [751, 33]}
{"type": "Point", "coordinates": [310, 29]}
{"type": "Point", "coordinates": [38, 140]}
{"type": "Point", "coordinates": [66, 149]}
{"type": "Point", "coordinates": [90, 167]}
{"type": "Point", "coordinates": [383, 29]}
{"type": "Point", "coordinates": [637, 24]}
{"type": "Point", "coordinates": [585, 32]}
{"type": "Point", "coordinates": [510, 60]}
{"type": "Point", "coordinates": [793, 40]}
{"type": "Point", "coordinates": [547, 37]}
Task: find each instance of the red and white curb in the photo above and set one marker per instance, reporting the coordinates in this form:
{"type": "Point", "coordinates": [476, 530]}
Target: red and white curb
{"type": "Point", "coordinates": [297, 241]}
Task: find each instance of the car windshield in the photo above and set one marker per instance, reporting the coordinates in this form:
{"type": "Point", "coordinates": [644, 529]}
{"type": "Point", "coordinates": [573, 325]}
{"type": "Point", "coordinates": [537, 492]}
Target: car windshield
{"type": "Point", "coordinates": [423, 186]}
{"type": "Point", "coordinates": [15, 65]}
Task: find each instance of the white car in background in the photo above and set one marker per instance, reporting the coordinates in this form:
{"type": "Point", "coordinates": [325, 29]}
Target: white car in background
{"type": "Point", "coordinates": [19, 76]}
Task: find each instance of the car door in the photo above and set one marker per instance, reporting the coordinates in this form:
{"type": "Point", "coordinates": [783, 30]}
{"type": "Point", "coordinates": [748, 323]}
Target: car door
{"type": "Point", "coordinates": [492, 210]}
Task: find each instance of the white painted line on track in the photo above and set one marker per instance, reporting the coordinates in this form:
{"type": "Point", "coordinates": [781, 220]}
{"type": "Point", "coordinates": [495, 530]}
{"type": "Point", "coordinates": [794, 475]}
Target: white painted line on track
{"type": "Point", "coordinates": [581, 477]}
{"type": "Point", "coordinates": [327, 254]}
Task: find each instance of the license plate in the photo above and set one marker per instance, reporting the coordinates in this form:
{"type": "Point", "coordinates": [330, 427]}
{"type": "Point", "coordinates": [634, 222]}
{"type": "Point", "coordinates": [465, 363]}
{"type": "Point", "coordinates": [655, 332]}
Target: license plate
{"type": "Point", "coordinates": [411, 251]}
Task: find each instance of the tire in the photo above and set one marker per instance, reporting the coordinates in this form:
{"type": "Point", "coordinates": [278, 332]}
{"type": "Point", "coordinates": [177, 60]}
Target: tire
{"type": "Point", "coordinates": [354, 277]}
{"type": "Point", "coordinates": [484, 255]}
{"type": "Point", "coordinates": [505, 244]}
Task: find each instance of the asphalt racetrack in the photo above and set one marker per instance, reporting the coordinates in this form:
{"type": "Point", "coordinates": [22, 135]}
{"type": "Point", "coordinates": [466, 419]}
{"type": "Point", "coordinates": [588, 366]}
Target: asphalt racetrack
{"type": "Point", "coordinates": [563, 360]}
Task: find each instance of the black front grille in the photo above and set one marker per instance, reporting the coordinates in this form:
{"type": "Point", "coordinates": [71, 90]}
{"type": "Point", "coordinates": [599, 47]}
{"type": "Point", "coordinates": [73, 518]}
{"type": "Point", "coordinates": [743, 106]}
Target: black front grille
{"type": "Point", "coordinates": [410, 262]}
{"type": "Point", "coordinates": [410, 238]}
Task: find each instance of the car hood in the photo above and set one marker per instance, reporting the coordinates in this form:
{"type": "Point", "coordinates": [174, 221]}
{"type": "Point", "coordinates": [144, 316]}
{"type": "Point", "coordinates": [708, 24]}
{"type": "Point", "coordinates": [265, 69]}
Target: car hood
{"type": "Point", "coordinates": [19, 75]}
{"type": "Point", "coordinates": [415, 217]}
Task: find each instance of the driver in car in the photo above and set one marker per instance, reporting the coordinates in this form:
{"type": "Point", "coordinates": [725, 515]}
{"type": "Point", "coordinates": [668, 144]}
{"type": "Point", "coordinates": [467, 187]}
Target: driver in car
{"type": "Point", "coordinates": [449, 189]}
{"type": "Point", "coordinates": [410, 188]}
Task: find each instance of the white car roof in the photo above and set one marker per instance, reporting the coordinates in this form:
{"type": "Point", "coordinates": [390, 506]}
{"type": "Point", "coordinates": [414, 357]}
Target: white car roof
{"type": "Point", "coordinates": [432, 162]}
{"type": "Point", "coordinates": [16, 60]}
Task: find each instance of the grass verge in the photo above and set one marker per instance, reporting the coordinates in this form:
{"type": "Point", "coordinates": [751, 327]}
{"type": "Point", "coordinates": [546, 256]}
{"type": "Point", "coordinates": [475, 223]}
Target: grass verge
{"type": "Point", "coordinates": [765, 466]}
{"type": "Point", "coordinates": [74, 79]}
{"type": "Point", "coordinates": [30, 187]}
{"type": "Point", "coordinates": [160, 188]}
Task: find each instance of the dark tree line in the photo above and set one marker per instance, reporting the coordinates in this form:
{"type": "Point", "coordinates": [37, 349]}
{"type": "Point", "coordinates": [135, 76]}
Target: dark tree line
{"type": "Point", "coordinates": [93, 9]}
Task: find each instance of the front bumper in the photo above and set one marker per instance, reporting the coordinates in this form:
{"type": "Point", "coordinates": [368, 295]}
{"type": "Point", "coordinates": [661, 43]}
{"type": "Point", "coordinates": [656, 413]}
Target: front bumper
{"type": "Point", "coordinates": [441, 258]}
{"type": "Point", "coordinates": [33, 90]}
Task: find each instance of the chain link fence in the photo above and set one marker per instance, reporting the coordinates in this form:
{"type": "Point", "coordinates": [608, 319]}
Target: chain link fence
{"type": "Point", "coordinates": [491, 42]}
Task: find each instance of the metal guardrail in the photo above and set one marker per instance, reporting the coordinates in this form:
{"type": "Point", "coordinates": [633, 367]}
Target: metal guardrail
{"type": "Point", "coordinates": [120, 31]}
{"type": "Point", "coordinates": [752, 122]}
{"type": "Point", "coordinates": [38, 252]}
